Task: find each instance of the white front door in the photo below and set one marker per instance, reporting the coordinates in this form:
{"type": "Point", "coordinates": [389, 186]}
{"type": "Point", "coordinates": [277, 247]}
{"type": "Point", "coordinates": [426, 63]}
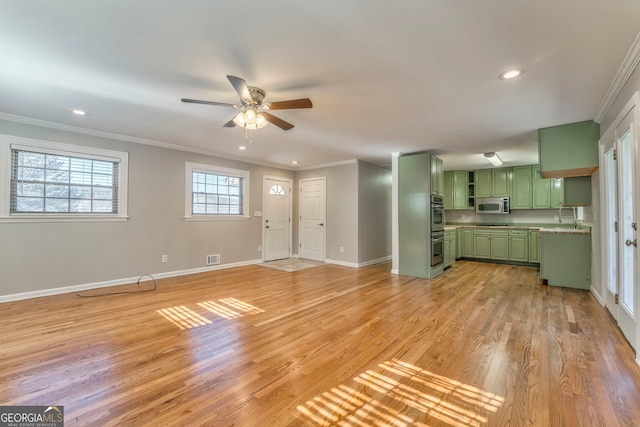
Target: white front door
{"type": "Point", "coordinates": [312, 218]}
{"type": "Point", "coordinates": [626, 141]}
{"type": "Point", "coordinates": [277, 219]}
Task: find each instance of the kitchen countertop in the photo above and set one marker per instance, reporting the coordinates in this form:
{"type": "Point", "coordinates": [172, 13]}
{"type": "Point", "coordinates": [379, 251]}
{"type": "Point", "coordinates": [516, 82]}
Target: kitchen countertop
{"type": "Point", "coordinates": [543, 228]}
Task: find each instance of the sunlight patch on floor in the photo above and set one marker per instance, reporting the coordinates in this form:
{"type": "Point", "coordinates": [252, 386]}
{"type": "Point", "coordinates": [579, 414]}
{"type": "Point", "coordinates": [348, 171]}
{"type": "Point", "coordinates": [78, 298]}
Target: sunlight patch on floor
{"type": "Point", "coordinates": [183, 317]}
{"type": "Point", "coordinates": [397, 395]}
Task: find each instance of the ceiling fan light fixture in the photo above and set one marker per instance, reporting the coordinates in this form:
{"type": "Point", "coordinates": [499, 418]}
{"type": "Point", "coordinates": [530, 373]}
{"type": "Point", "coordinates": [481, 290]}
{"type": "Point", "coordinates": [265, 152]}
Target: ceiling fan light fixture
{"type": "Point", "coordinates": [250, 120]}
{"type": "Point", "coordinates": [493, 159]}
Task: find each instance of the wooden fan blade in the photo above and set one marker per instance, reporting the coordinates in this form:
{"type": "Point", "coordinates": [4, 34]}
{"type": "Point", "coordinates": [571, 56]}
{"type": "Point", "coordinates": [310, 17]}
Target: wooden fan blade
{"type": "Point", "coordinates": [286, 105]}
{"type": "Point", "coordinates": [277, 121]}
{"type": "Point", "coordinates": [229, 124]}
{"type": "Point", "coordinates": [241, 87]}
{"type": "Point", "coordinates": [197, 101]}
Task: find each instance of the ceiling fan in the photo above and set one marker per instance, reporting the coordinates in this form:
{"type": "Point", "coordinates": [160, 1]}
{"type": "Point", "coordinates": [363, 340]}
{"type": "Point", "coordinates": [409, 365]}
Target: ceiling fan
{"type": "Point", "coordinates": [254, 114]}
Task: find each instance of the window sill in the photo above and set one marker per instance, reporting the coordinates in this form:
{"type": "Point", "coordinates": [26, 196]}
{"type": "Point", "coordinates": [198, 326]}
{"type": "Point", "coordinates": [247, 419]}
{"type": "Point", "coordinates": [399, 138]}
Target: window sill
{"type": "Point", "coordinates": [217, 218]}
{"type": "Point", "coordinates": [62, 218]}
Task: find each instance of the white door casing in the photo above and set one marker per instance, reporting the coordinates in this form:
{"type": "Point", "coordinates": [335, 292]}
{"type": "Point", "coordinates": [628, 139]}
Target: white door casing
{"type": "Point", "coordinates": [627, 163]}
{"type": "Point", "coordinates": [312, 218]}
{"type": "Point", "coordinates": [276, 220]}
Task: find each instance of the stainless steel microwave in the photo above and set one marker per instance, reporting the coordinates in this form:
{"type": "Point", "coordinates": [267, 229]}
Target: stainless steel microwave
{"type": "Point", "coordinates": [492, 205]}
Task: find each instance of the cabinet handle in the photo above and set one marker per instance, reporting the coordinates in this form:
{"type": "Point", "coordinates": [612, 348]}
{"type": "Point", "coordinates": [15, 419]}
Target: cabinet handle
{"type": "Point", "coordinates": [633, 242]}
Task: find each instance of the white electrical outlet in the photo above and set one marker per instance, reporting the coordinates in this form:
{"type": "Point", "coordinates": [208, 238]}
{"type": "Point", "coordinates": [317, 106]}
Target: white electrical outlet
{"type": "Point", "coordinates": [341, 249]}
{"type": "Point", "coordinates": [165, 258]}
{"type": "Point", "coordinates": [259, 248]}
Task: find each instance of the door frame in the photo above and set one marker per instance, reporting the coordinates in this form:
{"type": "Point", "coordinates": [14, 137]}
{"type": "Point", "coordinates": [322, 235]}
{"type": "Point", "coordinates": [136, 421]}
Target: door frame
{"type": "Point", "coordinates": [610, 136]}
{"type": "Point", "coordinates": [263, 224]}
{"type": "Point", "coordinates": [324, 214]}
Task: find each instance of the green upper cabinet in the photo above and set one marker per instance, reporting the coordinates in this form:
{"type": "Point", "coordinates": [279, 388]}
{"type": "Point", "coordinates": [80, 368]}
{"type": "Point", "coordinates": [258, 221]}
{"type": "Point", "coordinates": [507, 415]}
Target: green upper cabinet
{"type": "Point", "coordinates": [577, 191]}
{"type": "Point", "coordinates": [541, 190]}
{"type": "Point", "coordinates": [557, 192]}
{"type": "Point", "coordinates": [456, 190]}
{"type": "Point", "coordinates": [501, 181]}
{"type": "Point", "coordinates": [569, 150]}
{"type": "Point", "coordinates": [521, 188]}
{"type": "Point", "coordinates": [483, 184]}
{"type": "Point", "coordinates": [492, 182]}
{"type": "Point", "coordinates": [547, 193]}
{"type": "Point", "coordinates": [437, 176]}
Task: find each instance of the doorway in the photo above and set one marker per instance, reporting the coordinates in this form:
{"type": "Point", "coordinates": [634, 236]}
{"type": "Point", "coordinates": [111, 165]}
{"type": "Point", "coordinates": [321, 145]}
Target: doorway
{"type": "Point", "coordinates": [312, 218]}
{"type": "Point", "coordinates": [277, 218]}
{"type": "Point", "coordinates": [622, 204]}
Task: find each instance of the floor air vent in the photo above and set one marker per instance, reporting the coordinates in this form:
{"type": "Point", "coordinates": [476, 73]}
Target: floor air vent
{"type": "Point", "coordinates": [213, 259]}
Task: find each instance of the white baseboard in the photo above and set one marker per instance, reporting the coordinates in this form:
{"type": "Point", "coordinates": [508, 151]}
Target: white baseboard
{"type": "Point", "coordinates": [597, 296]}
{"type": "Point", "coordinates": [358, 265]}
{"type": "Point", "coordinates": [116, 282]}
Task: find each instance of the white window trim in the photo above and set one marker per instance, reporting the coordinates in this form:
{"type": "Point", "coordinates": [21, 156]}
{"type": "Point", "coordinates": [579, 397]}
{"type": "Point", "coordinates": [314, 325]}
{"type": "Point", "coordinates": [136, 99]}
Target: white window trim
{"type": "Point", "coordinates": [190, 168]}
{"type": "Point", "coordinates": [8, 142]}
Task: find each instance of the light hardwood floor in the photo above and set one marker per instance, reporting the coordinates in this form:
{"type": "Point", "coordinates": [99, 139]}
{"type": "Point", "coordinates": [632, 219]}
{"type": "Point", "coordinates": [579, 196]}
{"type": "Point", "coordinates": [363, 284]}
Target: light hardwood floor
{"type": "Point", "coordinates": [482, 345]}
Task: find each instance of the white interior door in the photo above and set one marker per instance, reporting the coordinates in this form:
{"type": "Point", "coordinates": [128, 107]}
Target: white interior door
{"type": "Point", "coordinates": [312, 218]}
{"type": "Point", "coordinates": [626, 141]}
{"type": "Point", "coordinates": [277, 219]}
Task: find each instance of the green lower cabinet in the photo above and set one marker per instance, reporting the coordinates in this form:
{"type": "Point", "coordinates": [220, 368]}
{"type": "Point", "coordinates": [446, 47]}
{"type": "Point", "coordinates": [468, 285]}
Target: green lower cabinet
{"type": "Point", "coordinates": [467, 243]}
{"type": "Point", "coordinates": [449, 247]}
{"type": "Point", "coordinates": [566, 260]}
{"type": "Point", "coordinates": [519, 245]}
{"type": "Point", "coordinates": [490, 244]}
{"type": "Point", "coordinates": [499, 247]}
{"type": "Point", "coordinates": [482, 246]}
{"type": "Point", "coordinates": [534, 246]}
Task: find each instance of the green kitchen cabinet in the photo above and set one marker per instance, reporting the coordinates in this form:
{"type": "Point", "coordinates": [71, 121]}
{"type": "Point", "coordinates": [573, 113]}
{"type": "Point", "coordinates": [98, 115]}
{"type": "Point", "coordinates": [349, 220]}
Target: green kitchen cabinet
{"type": "Point", "coordinates": [483, 186]}
{"type": "Point", "coordinates": [557, 192]}
{"type": "Point", "coordinates": [519, 245]}
{"type": "Point", "coordinates": [569, 150]}
{"type": "Point", "coordinates": [565, 259]}
{"type": "Point", "coordinates": [547, 193]}
{"type": "Point", "coordinates": [437, 176]}
{"type": "Point", "coordinates": [501, 182]}
{"type": "Point", "coordinates": [534, 246]}
{"type": "Point", "coordinates": [490, 244]}
{"type": "Point", "coordinates": [494, 182]}
{"type": "Point", "coordinates": [456, 190]}
{"type": "Point", "coordinates": [577, 191]}
{"type": "Point", "coordinates": [541, 189]}
{"type": "Point", "coordinates": [414, 220]}
{"type": "Point", "coordinates": [521, 188]}
{"type": "Point", "coordinates": [467, 243]}
{"type": "Point", "coordinates": [449, 247]}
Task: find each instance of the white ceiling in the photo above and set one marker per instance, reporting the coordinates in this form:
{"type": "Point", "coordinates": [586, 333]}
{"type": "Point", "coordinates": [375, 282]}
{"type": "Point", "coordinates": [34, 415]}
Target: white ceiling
{"type": "Point", "coordinates": [392, 76]}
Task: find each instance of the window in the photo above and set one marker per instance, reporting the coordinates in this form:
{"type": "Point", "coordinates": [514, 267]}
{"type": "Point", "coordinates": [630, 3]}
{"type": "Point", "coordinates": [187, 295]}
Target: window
{"type": "Point", "coordinates": [216, 192]}
{"type": "Point", "coordinates": [52, 181]}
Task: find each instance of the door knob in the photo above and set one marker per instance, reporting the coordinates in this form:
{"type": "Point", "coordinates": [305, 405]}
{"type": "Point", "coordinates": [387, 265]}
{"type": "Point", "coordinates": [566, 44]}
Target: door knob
{"type": "Point", "coordinates": [322, 224]}
{"type": "Point", "coordinates": [267, 226]}
{"type": "Point", "coordinates": [633, 242]}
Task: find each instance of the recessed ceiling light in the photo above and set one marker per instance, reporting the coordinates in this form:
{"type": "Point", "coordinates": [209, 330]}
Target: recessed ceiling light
{"type": "Point", "coordinates": [242, 147]}
{"type": "Point", "coordinates": [511, 73]}
{"type": "Point", "coordinates": [79, 112]}
{"type": "Point", "coordinates": [294, 162]}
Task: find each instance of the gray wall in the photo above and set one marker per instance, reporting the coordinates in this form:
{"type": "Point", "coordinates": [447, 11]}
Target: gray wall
{"type": "Point", "coordinates": [374, 212]}
{"type": "Point", "coordinates": [342, 210]}
{"type": "Point", "coordinates": [40, 256]}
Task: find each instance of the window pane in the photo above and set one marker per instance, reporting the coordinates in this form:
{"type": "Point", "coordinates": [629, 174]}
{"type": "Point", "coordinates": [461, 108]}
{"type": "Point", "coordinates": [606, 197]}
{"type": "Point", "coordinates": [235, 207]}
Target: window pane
{"type": "Point", "coordinates": [211, 194]}
{"type": "Point", "coordinates": [62, 184]}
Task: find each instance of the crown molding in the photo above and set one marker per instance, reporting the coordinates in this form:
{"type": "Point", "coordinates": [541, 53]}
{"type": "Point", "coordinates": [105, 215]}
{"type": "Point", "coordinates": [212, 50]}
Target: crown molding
{"type": "Point", "coordinates": [622, 76]}
{"type": "Point", "coordinates": [132, 139]}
